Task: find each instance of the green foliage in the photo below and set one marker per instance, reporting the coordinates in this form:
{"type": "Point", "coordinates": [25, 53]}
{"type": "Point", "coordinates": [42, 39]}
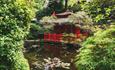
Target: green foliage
{"type": "Point", "coordinates": [71, 2]}
{"type": "Point", "coordinates": [75, 8]}
{"type": "Point", "coordinates": [98, 52]}
{"type": "Point", "coordinates": [35, 29]}
{"type": "Point", "coordinates": [47, 18]}
{"type": "Point", "coordinates": [56, 5]}
{"type": "Point", "coordinates": [39, 4]}
{"type": "Point", "coordinates": [47, 22]}
{"type": "Point", "coordinates": [15, 16]}
{"type": "Point", "coordinates": [81, 17]}
{"type": "Point", "coordinates": [100, 11]}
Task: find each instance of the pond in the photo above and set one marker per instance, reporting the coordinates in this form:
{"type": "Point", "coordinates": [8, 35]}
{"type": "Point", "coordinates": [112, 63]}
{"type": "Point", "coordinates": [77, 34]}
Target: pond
{"type": "Point", "coordinates": [37, 57]}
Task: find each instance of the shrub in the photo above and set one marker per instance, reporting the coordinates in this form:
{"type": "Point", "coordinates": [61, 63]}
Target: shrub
{"type": "Point", "coordinates": [15, 16]}
{"type": "Point", "coordinates": [98, 52]}
{"type": "Point", "coordinates": [35, 30]}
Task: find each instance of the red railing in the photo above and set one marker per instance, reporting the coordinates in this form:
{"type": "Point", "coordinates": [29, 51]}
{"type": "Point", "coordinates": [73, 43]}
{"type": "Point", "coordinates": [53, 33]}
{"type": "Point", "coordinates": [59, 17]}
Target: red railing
{"type": "Point", "coordinates": [52, 37]}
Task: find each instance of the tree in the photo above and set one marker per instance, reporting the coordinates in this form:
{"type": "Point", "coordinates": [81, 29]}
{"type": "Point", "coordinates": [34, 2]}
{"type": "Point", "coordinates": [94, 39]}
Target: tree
{"type": "Point", "coordinates": [49, 7]}
{"type": "Point", "coordinates": [15, 16]}
{"type": "Point", "coordinates": [99, 10]}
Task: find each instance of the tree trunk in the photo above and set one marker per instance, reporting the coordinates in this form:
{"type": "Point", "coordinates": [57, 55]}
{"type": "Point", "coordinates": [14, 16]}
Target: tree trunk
{"type": "Point", "coordinates": [66, 4]}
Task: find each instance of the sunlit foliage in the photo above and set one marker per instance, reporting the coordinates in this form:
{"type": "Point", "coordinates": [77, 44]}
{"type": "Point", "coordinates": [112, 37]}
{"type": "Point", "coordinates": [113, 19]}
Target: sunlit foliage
{"type": "Point", "coordinates": [98, 52]}
{"type": "Point", "coordinates": [15, 16]}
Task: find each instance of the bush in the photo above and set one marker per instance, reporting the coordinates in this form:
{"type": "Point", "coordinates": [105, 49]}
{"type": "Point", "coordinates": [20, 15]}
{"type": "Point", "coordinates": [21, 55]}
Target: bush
{"type": "Point", "coordinates": [98, 52]}
{"type": "Point", "coordinates": [15, 16]}
{"type": "Point", "coordinates": [35, 30]}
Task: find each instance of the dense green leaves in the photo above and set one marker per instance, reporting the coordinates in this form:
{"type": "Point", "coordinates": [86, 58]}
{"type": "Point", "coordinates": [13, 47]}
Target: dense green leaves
{"type": "Point", "coordinates": [98, 51]}
{"type": "Point", "coordinates": [15, 16]}
{"type": "Point", "coordinates": [100, 11]}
